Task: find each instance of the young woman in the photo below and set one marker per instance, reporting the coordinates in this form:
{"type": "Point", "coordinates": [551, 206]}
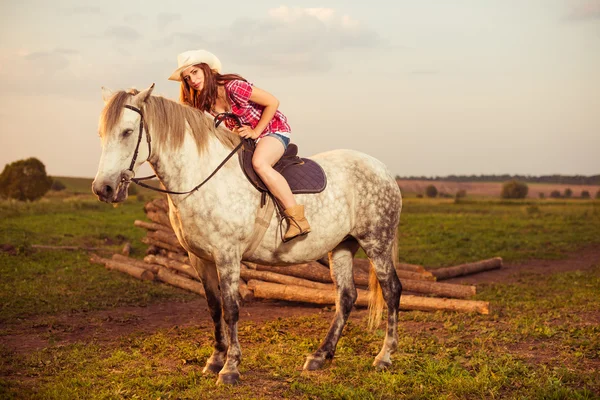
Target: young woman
{"type": "Point", "coordinates": [204, 87]}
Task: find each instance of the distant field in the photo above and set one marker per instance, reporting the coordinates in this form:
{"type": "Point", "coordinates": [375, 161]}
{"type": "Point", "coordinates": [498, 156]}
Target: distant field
{"type": "Point", "coordinates": [490, 189]}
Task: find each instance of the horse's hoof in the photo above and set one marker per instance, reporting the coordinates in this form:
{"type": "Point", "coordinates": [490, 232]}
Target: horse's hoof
{"type": "Point", "coordinates": [228, 378]}
{"type": "Point", "coordinates": [212, 368]}
{"type": "Point", "coordinates": [381, 364]}
{"type": "Point", "coordinates": [313, 363]}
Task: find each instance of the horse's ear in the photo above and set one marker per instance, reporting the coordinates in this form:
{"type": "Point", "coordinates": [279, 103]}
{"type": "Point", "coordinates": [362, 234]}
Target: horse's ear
{"type": "Point", "coordinates": [106, 94]}
{"type": "Point", "coordinates": [142, 96]}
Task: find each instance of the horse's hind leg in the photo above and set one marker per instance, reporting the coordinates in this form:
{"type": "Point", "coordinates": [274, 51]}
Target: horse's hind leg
{"type": "Point", "coordinates": [383, 262]}
{"type": "Point", "coordinates": [340, 263]}
{"type": "Point", "coordinates": [208, 273]}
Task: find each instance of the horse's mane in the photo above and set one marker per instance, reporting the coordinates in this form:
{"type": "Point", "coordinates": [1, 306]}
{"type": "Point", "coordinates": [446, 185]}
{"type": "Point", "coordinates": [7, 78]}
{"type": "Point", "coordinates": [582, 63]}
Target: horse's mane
{"type": "Point", "coordinates": [166, 120]}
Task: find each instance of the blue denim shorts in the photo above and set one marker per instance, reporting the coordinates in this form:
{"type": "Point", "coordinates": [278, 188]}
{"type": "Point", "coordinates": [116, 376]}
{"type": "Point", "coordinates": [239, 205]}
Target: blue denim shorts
{"type": "Point", "coordinates": [285, 141]}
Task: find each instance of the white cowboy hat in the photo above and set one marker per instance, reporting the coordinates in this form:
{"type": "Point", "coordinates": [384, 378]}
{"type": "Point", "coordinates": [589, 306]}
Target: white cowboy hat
{"type": "Point", "coordinates": [193, 57]}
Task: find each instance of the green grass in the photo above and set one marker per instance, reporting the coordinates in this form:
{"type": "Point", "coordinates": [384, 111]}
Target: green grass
{"type": "Point", "coordinates": [541, 339]}
{"type": "Point", "coordinates": [528, 347]}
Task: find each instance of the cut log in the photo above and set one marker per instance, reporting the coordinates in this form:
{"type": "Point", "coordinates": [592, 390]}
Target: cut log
{"type": "Point", "coordinates": [180, 281]}
{"type": "Point", "coordinates": [268, 290]}
{"type": "Point", "coordinates": [466, 269]}
{"type": "Point", "coordinates": [365, 265]}
{"type": "Point", "coordinates": [136, 272]}
{"type": "Point", "coordinates": [136, 263]}
{"type": "Point", "coordinates": [126, 249]}
{"type": "Point", "coordinates": [165, 237]}
{"type": "Point", "coordinates": [245, 293]}
{"type": "Point", "coordinates": [312, 271]}
{"type": "Point", "coordinates": [412, 267]}
{"type": "Point", "coordinates": [438, 289]}
{"type": "Point", "coordinates": [151, 226]}
{"type": "Point", "coordinates": [179, 257]}
{"type": "Point", "coordinates": [186, 269]}
{"type": "Point", "coordinates": [162, 204]}
{"type": "Point", "coordinates": [162, 245]}
{"type": "Point", "coordinates": [160, 218]}
{"type": "Point", "coordinates": [268, 276]}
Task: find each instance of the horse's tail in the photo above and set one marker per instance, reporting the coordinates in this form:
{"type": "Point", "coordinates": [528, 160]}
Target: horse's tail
{"type": "Point", "coordinates": [376, 301]}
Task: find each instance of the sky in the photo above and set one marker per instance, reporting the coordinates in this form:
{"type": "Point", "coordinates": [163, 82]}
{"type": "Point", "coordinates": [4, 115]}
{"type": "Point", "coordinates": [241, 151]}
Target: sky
{"type": "Point", "coordinates": [430, 88]}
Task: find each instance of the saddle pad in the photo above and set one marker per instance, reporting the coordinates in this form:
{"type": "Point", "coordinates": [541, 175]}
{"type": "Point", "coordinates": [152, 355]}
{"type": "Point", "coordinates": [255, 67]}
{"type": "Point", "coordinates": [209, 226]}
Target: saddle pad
{"type": "Point", "coordinates": [303, 175]}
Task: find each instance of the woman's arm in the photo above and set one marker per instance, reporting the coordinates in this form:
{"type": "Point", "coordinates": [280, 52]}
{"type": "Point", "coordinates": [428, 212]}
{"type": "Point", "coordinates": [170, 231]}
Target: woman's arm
{"type": "Point", "coordinates": [270, 103]}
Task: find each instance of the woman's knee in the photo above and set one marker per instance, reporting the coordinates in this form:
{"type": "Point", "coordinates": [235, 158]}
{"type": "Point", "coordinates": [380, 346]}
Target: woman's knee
{"type": "Point", "coordinates": [260, 166]}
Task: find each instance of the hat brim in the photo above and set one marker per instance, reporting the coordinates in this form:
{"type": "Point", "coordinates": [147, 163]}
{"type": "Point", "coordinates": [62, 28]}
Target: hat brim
{"type": "Point", "coordinates": [176, 75]}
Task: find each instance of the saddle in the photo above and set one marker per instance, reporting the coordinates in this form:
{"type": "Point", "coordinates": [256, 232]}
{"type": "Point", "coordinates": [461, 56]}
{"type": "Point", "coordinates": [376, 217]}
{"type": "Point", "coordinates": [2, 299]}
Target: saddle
{"type": "Point", "coordinates": [303, 175]}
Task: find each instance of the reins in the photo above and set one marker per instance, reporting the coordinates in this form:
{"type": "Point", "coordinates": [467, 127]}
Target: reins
{"type": "Point", "coordinates": [138, 181]}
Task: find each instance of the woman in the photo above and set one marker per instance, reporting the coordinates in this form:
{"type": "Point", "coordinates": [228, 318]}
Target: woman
{"type": "Point", "coordinates": [203, 87]}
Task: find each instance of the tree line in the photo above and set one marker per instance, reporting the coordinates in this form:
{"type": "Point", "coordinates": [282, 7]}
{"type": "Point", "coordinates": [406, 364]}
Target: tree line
{"type": "Point", "coordinates": [564, 179]}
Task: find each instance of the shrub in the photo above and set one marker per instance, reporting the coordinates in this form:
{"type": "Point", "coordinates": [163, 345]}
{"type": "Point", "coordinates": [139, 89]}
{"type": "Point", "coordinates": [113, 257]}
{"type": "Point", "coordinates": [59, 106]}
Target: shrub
{"type": "Point", "coordinates": [461, 193]}
{"type": "Point", "coordinates": [57, 186]}
{"type": "Point", "coordinates": [132, 190]}
{"type": "Point", "coordinates": [585, 194]}
{"type": "Point", "coordinates": [555, 194]}
{"type": "Point", "coordinates": [598, 194]}
{"type": "Point", "coordinates": [431, 191]}
{"type": "Point", "coordinates": [568, 193]}
{"type": "Point", "coordinates": [24, 180]}
{"type": "Point", "coordinates": [514, 190]}
{"type": "Point", "coordinates": [541, 195]}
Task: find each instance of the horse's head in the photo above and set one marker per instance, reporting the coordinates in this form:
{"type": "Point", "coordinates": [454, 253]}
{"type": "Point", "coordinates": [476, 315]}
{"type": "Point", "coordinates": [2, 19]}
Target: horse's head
{"type": "Point", "coordinates": [124, 143]}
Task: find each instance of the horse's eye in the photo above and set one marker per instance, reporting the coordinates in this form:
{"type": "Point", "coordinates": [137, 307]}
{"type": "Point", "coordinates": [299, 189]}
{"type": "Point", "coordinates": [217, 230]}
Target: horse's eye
{"type": "Point", "coordinates": [126, 133]}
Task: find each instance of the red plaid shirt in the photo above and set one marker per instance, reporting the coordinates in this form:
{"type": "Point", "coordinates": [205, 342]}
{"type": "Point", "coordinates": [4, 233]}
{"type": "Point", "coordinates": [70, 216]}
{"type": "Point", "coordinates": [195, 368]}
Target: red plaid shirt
{"type": "Point", "coordinates": [238, 93]}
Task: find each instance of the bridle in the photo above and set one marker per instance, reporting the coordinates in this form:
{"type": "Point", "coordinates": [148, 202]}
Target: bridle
{"type": "Point", "coordinates": [130, 175]}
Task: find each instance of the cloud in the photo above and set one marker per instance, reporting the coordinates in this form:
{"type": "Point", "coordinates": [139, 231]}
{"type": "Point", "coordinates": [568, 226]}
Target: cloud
{"type": "Point", "coordinates": [86, 10]}
{"type": "Point", "coordinates": [123, 32]}
{"type": "Point", "coordinates": [49, 61]}
{"type": "Point", "coordinates": [583, 10]}
{"type": "Point", "coordinates": [301, 39]}
{"type": "Point", "coordinates": [164, 19]}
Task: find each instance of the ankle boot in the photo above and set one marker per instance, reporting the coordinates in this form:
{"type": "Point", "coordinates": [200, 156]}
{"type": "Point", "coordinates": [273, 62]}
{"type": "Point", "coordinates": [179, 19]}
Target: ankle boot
{"type": "Point", "coordinates": [298, 225]}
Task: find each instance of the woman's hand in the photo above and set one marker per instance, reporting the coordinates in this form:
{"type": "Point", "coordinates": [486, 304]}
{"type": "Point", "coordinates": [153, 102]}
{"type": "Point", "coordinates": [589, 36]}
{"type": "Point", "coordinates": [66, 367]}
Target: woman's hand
{"type": "Point", "coordinates": [247, 132]}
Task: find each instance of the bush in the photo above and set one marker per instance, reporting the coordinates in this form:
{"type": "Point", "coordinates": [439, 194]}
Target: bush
{"type": "Point", "coordinates": [461, 193]}
{"type": "Point", "coordinates": [585, 194]}
{"type": "Point", "coordinates": [568, 193]}
{"type": "Point", "coordinates": [24, 180]}
{"type": "Point", "coordinates": [132, 190]}
{"type": "Point", "coordinates": [541, 195]}
{"type": "Point", "coordinates": [598, 194]}
{"type": "Point", "coordinates": [555, 194]}
{"type": "Point", "coordinates": [57, 186]}
{"type": "Point", "coordinates": [514, 190]}
{"type": "Point", "coordinates": [431, 191]}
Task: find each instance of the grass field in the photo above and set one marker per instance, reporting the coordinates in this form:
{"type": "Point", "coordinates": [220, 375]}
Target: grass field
{"type": "Point", "coordinates": [541, 340]}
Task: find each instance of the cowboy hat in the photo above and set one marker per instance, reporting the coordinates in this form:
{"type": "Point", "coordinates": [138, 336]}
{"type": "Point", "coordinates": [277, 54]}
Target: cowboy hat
{"type": "Point", "coordinates": [193, 57]}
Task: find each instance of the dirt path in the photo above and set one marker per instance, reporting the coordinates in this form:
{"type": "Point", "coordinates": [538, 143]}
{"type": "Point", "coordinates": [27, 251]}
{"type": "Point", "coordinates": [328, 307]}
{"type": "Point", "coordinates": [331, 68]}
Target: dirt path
{"type": "Point", "coordinates": [106, 326]}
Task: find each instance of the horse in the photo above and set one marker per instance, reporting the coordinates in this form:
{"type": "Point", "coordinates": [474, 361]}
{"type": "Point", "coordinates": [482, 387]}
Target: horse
{"type": "Point", "coordinates": [359, 208]}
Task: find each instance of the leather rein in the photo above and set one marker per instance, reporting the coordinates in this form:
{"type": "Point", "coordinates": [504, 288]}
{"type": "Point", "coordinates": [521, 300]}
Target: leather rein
{"type": "Point", "coordinates": [218, 119]}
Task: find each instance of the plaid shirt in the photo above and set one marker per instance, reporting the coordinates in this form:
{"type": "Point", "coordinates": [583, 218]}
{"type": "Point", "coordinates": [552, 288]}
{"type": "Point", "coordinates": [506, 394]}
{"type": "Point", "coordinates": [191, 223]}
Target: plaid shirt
{"type": "Point", "coordinates": [249, 112]}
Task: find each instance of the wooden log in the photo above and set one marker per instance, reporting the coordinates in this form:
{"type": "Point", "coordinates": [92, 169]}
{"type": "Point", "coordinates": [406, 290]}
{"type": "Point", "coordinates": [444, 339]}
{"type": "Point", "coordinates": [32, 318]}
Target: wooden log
{"type": "Point", "coordinates": [158, 243]}
{"type": "Point", "coordinates": [160, 218]}
{"type": "Point", "coordinates": [151, 226]}
{"type": "Point", "coordinates": [365, 265]}
{"type": "Point", "coordinates": [245, 293]}
{"type": "Point", "coordinates": [268, 290]}
{"type": "Point", "coordinates": [438, 289]}
{"type": "Point", "coordinates": [179, 257]}
{"type": "Point", "coordinates": [180, 281]}
{"type": "Point", "coordinates": [126, 249]}
{"type": "Point", "coordinates": [162, 204]}
{"type": "Point", "coordinates": [165, 237]}
{"type": "Point", "coordinates": [312, 271]}
{"type": "Point", "coordinates": [267, 276]}
{"type": "Point", "coordinates": [468, 268]}
{"type": "Point", "coordinates": [412, 267]}
{"type": "Point", "coordinates": [186, 269]}
{"type": "Point", "coordinates": [136, 272]}
{"type": "Point", "coordinates": [137, 263]}
{"type": "Point", "coordinates": [402, 274]}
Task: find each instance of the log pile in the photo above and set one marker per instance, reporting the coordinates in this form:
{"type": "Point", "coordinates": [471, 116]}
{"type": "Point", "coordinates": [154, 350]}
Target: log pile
{"type": "Point", "coordinates": [167, 261]}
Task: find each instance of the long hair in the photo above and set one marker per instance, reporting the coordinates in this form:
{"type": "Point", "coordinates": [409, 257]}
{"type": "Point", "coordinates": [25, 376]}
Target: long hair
{"type": "Point", "coordinates": [206, 98]}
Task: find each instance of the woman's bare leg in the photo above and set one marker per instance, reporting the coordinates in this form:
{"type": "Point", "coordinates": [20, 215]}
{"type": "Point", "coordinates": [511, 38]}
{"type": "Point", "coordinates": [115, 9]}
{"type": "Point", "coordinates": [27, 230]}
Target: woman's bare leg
{"type": "Point", "coordinates": [268, 151]}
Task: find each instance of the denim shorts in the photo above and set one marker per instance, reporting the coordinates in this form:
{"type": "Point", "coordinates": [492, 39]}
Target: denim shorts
{"type": "Point", "coordinates": [285, 141]}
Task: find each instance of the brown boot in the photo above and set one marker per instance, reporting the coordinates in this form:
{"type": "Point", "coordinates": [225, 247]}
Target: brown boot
{"type": "Point", "coordinates": [298, 225]}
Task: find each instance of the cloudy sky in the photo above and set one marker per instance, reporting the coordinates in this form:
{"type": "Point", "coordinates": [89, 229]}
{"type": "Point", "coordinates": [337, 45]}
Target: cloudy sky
{"type": "Point", "coordinates": [428, 87]}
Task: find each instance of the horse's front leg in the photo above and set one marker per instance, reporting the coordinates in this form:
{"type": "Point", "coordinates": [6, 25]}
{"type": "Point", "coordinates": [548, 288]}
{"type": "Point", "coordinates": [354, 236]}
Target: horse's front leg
{"type": "Point", "coordinates": [210, 279]}
{"type": "Point", "coordinates": [229, 276]}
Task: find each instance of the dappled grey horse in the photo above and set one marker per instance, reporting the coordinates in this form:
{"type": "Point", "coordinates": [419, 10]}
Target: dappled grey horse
{"type": "Point", "coordinates": [360, 207]}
